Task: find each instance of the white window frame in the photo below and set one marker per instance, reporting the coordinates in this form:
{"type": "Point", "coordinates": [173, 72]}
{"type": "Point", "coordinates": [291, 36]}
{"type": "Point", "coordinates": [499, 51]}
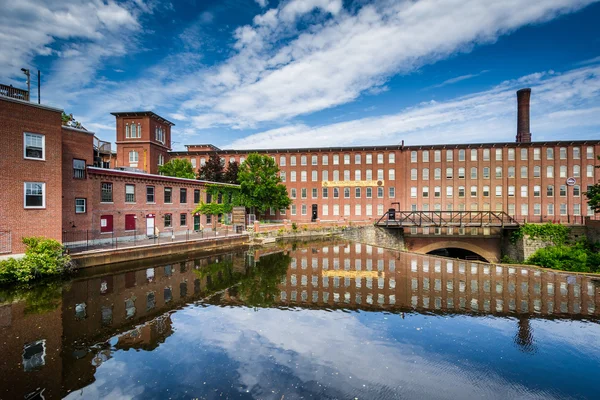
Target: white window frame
{"type": "Point", "coordinates": [25, 146]}
{"type": "Point", "coordinates": [43, 196]}
{"type": "Point", "coordinates": [84, 205]}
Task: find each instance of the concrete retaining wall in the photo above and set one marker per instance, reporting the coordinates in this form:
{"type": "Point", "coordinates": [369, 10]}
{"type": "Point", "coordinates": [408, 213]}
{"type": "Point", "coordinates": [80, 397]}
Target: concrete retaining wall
{"type": "Point", "coordinates": [113, 256]}
{"type": "Point", "coordinates": [375, 236]}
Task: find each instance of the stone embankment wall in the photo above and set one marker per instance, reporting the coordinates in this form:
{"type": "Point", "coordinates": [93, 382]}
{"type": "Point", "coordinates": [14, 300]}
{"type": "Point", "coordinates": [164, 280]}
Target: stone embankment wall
{"type": "Point", "coordinates": [376, 236]}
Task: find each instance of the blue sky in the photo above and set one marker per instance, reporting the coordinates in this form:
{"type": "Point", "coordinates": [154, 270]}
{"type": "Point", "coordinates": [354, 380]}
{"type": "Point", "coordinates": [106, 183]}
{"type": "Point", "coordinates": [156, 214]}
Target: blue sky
{"type": "Point", "coordinates": [297, 73]}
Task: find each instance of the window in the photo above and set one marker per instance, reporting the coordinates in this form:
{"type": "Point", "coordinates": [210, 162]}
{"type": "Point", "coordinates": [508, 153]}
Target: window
{"type": "Point", "coordinates": [34, 353]}
{"type": "Point", "coordinates": [80, 206]}
{"type": "Point", "coordinates": [78, 169]}
{"type": "Point", "coordinates": [314, 159]}
{"type": "Point", "coordinates": [550, 209]}
{"type": "Point", "coordinates": [182, 219]}
{"type": "Point", "coordinates": [537, 171]}
{"type": "Point", "coordinates": [302, 160]}
{"type": "Point", "coordinates": [576, 153]}
{"type": "Point", "coordinates": [413, 156]}
{"type": "Point", "coordinates": [133, 156]}
{"type": "Point", "coordinates": [523, 154]}
{"type": "Point", "coordinates": [523, 191]}
{"type": "Point", "coordinates": [193, 161]}
{"type": "Point", "coordinates": [293, 161]}
{"type": "Point", "coordinates": [563, 171]}
{"type": "Point", "coordinates": [149, 194]}
{"type": "Point", "coordinates": [182, 195]}
{"type": "Point", "coordinates": [282, 161]}
{"type": "Point", "coordinates": [486, 191]}
{"type": "Point", "coordinates": [303, 193]}
{"type": "Point", "coordinates": [549, 171]}
{"type": "Point", "coordinates": [159, 134]}
{"type": "Point", "coordinates": [336, 159]}
{"type": "Point", "coordinates": [303, 209]}
{"type": "Point", "coordinates": [293, 210]}
{"type": "Point", "coordinates": [314, 176]}
{"type": "Point", "coordinates": [563, 209]}
{"type": "Point", "coordinates": [346, 159]}
{"type": "Point", "coordinates": [449, 155]}
{"type": "Point", "coordinates": [35, 194]}
{"type": "Point", "coordinates": [392, 192]}
{"type": "Point", "coordinates": [461, 191]}
{"type": "Point", "coordinates": [537, 209]}
{"type": "Point", "coordinates": [511, 172]}
{"type": "Point", "coordinates": [315, 193]}
{"type": "Point", "coordinates": [589, 171]}
{"type": "Point", "coordinates": [357, 193]}
{"type": "Point", "coordinates": [523, 172]}
{"type": "Point", "coordinates": [511, 154]}
{"type": "Point", "coordinates": [293, 176]}
{"type": "Point", "coordinates": [380, 174]}
{"type": "Point", "coordinates": [449, 191]}
{"type": "Point", "coordinates": [576, 190]}
{"type": "Point", "coordinates": [357, 175]}
{"type": "Point", "coordinates": [325, 209]}
{"type": "Point", "coordinates": [413, 174]}
{"type": "Point", "coordinates": [380, 158]}
{"type": "Point", "coordinates": [473, 154]}
{"type": "Point", "coordinates": [437, 192]}
{"type": "Point", "coordinates": [576, 171]}
{"type": "Point", "coordinates": [563, 191]}
{"type": "Point", "coordinates": [392, 174]}
{"type": "Point", "coordinates": [369, 193]}
{"type": "Point", "coordinates": [550, 190]}
{"type": "Point", "coordinates": [498, 154]}
{"type": "Point", "coordinates": [589, 153]}
{"type": "Point", "coordinates": [413, 192]}
{"type": "Point", "coordinates": [346, 193]}
{"type": "Point", "coordinates": [537, 154]}
{"type": "Point", "coordinates": [524, 209]}
{"type": "Point", "coordinates": [357, 159]}
{"type": "Point", "coordinates": [498, 172]}
{"type": "Point", "coordinates": [511, 209]}
{"type": "Point", "coordinates": [169, 195]}
{"type": "Point", "coordinates": [203, 161]}
{"type": "Point", "coordinates": [325, 193]}
{"type": "Point", "coordinates": [461, 173]}
{"type": "Point", "coordinates": [302, 176]}
{"type": "Point", "coordinates": [336, 193]}
{"type": "Point", "coordinates": [449, 173]}
{"type": "Point", "coordinates": [549, 154]}
{"type": "Point", "coordinates": [34, 146]}
{"type": "Point", "coordinates": [392, 158]}
{"type": "Point", "coordinates": [325, 175]}
{"type": "Point", "coordinates": [511, 191]}
{"type": "Point", "coordinates": [425, 192]}
{"type": "Point", "coordinates": [576, 209]}
{"type": "Point", "coordinates": [498, 191]}
{"type": "Point", "coordinates": [473, 172]}
{"type": "Point", "coordinates": [196, 196]}
{"type": "Point", "coordinates": [486, 172]}
{"type": "Point", "coordinates": [129, 193]}
{"type": "Point", "coordinates": [425, 155]}
{"type": "Point", "coordinates": [282, 176]}
{"type": "Point", "coordinates": [437, 156]}
{"type": "Point", "coordinates": [437, 173]}
{"type": "Point", "coordinates": [537, 191]}
{"type": "Point", "coordinates": [425, 174]}
{"type": "Point", "coordinates": [563, 153]}
{"type": "Point", "coordinates": [473, 191]}
{"type": "Point", "coordinates": [107, 193]}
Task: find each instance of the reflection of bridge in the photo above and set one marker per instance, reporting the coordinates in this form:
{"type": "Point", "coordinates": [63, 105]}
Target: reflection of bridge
{"type": "Point", "coordinates": [471, 219]}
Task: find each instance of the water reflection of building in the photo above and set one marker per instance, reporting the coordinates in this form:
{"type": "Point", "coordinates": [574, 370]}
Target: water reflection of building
{"type": "Point", "coordinates": [360, 276]}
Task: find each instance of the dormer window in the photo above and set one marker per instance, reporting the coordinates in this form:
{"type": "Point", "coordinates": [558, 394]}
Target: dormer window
{"type": "Point", "coordinates": [160, 135]}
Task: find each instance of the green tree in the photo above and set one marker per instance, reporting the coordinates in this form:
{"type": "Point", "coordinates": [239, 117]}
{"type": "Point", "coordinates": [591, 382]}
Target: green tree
{"type": "Point", "coordinates": [212, 171]}
{"type": "Point", "coordinates": [593, 195]}
{"type": "Point", "coordinates": [261, 186]}
{"type": "Point", "coordinates": [231, 173]}
{"type": "Point", "coordinates": [178, 167]}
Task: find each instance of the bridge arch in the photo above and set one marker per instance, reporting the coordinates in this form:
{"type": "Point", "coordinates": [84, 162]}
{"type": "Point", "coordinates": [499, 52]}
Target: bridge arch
{"type": "Point", "coordinates": [489, 251]}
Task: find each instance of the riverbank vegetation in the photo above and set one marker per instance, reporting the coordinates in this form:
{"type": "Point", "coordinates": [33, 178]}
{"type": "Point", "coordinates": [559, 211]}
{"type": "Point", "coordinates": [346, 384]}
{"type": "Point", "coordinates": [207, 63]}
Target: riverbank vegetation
{"type": "Point", "coordinates": [43, 258]}
{"type": "Point", "coordinates": [562, 252]}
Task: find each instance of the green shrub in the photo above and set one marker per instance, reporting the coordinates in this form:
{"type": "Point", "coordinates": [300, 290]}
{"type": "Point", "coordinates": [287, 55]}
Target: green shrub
{"type": "Point", "coordinates": [294, 226]}
{"type": "Point", "coordinates": [580, 257]}
{"type": "Point", "coordinates": [556, 233]}
{"type": "Point", "coordinates": [43, 258]}
{"type": "Point", "coordinates": [506, 259]}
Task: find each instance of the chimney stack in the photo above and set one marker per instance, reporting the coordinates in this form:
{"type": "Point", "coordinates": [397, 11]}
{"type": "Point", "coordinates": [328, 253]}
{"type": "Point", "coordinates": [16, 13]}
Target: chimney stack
{"type": "Point", "coordinates": [523, 133]}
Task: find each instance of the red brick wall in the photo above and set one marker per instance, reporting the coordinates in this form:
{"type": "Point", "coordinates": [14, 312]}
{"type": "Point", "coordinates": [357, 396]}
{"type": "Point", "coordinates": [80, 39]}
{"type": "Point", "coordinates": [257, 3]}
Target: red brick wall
{"type": "Point", "coordinates": [76, 145]}
{"type": "Point", "coordinates": [17, 118]}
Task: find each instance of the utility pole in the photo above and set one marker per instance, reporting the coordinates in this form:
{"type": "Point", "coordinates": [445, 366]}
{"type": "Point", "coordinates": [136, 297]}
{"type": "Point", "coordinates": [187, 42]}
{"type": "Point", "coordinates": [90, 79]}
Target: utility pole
{"type": "Point", "coordinates": [27, 74]}
{"type": "Point", "coordinates": [39, 87]}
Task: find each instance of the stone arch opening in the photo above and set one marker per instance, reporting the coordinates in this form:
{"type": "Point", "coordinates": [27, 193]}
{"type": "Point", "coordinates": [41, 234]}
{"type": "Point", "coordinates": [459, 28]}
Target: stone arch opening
{"type": "Point", "coordinates": [456, 252]}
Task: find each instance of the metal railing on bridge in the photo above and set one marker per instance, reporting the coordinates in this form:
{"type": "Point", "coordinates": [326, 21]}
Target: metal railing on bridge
{"type": "Point", "coordinates": [492, 219]}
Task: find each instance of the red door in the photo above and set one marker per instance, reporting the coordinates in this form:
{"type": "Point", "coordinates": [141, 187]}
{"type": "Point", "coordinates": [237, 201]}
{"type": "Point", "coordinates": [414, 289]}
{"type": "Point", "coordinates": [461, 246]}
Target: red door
{"type": "Point", "coordinates": [106, 223]}
{"type": "Point", "coordinates": [130, 222]}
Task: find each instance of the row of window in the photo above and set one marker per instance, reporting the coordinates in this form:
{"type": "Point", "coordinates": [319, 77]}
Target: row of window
{"type": "Point", "coordinates": [537, 208]}
{"type": "Point", "coordinates": [336, 175]}
{"type": "Point", "coordinates": [486, 154]}
{"type": "Point", "coordinates": [347, 191]}
{"type": "Point", "coordinates": [537, 190]}
{"type": "Point", "coordinates": [486, 171]}
{"type": "Point", "coordinates": [130, 194]}
{"type": "Point", "coordinates": [336, 209]}
{"type": "Point", "coordinates": [133, 130]}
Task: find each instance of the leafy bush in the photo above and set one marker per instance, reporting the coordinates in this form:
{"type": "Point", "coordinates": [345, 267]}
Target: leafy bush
{"type": "Point", "coordinates": [506, 259]}
{"type": "Point", "coordinates": [556, 233]}
{"type": "Point", "coordinates": [294, 226]}
{"type": "Point", "coordinates": [43, 258]}
{"type": "Point", "coordinates": [580, 257]}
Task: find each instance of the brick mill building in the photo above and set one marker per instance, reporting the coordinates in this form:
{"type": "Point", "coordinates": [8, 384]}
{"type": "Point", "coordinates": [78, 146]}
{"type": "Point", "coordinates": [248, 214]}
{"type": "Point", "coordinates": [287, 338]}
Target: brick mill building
{"type": "Point", "coordinates": [61, 173]}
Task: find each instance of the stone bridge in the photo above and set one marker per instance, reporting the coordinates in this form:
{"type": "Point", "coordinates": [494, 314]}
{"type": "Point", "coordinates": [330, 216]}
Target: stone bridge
{"type": "Point", "coordinates": [488, 248]}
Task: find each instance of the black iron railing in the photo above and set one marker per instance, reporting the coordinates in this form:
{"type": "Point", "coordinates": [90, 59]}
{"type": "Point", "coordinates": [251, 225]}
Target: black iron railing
{"type": "Point", "coordinates": [393, 218]}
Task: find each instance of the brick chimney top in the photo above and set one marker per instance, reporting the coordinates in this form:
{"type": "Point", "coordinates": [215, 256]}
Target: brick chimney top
{"type": "Point", "coordinates": [523, 130]}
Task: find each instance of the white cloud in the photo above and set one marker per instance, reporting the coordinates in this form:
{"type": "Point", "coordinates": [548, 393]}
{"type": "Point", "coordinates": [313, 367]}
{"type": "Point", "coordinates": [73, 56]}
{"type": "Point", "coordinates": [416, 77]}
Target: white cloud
{"type": "Point", "coordinates": [280, 72]}
{"type": "Point", "coordinates": [262, 3]}
{"type": "Point", "coordinates": [561, 104]}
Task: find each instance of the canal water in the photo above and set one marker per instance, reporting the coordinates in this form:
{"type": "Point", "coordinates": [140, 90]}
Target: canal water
{"type": "Point", "coordinates": [319, 320]}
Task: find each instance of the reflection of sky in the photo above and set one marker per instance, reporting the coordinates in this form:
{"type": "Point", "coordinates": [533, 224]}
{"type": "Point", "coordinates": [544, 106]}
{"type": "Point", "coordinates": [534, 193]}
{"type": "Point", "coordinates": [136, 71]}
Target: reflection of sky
{"type": "Point", "coordinates": [269, 353]}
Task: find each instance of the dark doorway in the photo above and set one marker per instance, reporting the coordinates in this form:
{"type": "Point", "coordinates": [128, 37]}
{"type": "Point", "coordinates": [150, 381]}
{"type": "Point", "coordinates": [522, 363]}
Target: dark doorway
{"type": "Point", "coordinates": [454, 252]}
{"type": "Point", "coordinates": [315, 214]}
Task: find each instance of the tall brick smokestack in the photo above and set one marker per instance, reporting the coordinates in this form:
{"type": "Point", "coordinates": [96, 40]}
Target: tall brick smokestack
{"type": "Point", "coordinates": [523, 133]}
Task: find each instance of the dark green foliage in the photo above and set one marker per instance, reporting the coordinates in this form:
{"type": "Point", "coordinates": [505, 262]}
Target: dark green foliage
{"type": "Point", "coordinates": [506, 259]}
{"type": "Point", "coordinates": [556, 233]}
{"type": "Point", "coordinates": [261, 186]}
{"type": "Point", "coordinates": [43, 258]}
{"type": "Point", "coordinates": [260, 287]}
{"type": "Point", "coordinates": [178, 167]}
{"type": "Point", "coordinates": [212, 171]}
{"type": "Point", "coordinates": [580, 257]}
{"type": "Point", "coordinates": [231, 173]}
{"type": "Point", "coordinates": [593, 195]}
{"type": "Point", "coordinates": [230, 197]}
{"type": "Point", "coordinates": [39, 298]}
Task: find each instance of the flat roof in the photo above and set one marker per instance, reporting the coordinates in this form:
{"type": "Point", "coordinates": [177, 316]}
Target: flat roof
{"type": "Point", "coordinates": [142, 114]}
{"type": "Point", "coordinates": [118, 172]}
{"type": "Point", "coordinates": [389, 147]}
{"type": "Point", "coordinates": [28, 103]}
